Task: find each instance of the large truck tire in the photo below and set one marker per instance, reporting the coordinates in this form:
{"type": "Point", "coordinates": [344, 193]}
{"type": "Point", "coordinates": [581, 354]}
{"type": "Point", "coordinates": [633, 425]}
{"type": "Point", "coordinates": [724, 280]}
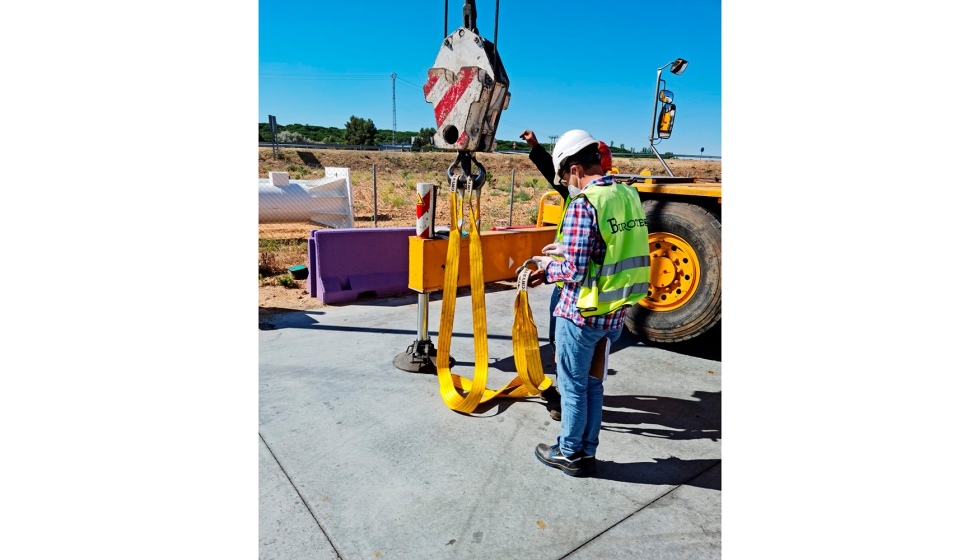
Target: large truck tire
{"type": "Point", "coordinates": [684, 299]}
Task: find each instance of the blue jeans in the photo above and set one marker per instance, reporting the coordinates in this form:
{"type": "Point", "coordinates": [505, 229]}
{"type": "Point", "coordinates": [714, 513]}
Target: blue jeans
{"type": "Point", "coordinates": [581, 394]}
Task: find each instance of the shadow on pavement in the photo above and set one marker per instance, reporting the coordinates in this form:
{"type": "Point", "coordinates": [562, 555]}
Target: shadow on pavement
{"type": "Point", "coordinates": [500, 404]}
{"type": "Point", "coordinates": [671, 471]}
{"type": "Point", "coordinates": [679, 419]}
{"type": "Point", "coordinates": [369, 299]}
{"type": "Point", "coordinates": [278, 318]}
{"type": "Point", "coordinates": [265, 313]}
{"type": "Point", "coordinates": [707, 346]}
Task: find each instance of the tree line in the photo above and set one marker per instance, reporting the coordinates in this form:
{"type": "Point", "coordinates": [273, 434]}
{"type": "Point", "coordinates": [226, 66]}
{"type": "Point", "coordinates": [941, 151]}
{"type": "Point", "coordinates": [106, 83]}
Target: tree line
{"type": "Point", "coordinates": [357, 132]}
{"type": "Point", "coordinates": [363, 132]}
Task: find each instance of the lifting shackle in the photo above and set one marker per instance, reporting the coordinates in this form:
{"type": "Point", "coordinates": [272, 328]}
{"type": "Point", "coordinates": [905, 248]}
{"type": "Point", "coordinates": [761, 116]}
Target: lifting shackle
{"type": "Point", "coordinates": [463, 164]}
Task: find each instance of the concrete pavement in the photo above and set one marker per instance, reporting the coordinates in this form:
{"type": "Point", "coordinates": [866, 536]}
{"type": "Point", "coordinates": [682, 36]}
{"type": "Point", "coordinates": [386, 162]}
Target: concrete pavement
{"type": "Point", "coordinates": [358, 459]}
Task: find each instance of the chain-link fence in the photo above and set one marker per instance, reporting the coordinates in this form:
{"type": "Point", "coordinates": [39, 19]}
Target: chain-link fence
{"type": "Point", "coordinates": [364, 189]}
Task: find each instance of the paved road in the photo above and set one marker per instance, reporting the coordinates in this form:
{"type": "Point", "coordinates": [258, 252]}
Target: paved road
{"type": "Point", "coordinates": [358, 459]}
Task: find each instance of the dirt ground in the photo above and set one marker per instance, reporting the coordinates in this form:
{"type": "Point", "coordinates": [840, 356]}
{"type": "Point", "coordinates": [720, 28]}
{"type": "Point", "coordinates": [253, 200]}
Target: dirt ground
{"type": "Point", "coordinates": [274, 300]}
{"type": "Point", "coordinates": [284, 244]}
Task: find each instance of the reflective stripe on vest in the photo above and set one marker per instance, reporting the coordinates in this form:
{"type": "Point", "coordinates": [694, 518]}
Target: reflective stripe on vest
{"type": "Point", "coordinates": [625, 293]}
{"type": "Point", "coordinates": [624, 276]}
{"type": "Point", "coordinates": [632, 262]}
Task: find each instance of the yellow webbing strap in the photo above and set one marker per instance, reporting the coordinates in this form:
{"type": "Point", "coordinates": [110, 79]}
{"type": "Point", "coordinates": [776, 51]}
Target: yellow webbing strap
{"type": "Point", "coordinates": [527, 358]}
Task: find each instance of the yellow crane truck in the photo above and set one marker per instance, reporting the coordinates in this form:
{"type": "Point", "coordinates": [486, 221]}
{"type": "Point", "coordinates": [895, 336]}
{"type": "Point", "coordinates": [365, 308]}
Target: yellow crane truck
{"type": "Point", "coordinates": [683, 216]}
{"type": "Point", "coordinates": [469, 89]}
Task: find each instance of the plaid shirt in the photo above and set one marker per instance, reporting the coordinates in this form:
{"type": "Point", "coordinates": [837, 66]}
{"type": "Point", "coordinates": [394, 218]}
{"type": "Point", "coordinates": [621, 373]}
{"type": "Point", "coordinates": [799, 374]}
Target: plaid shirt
{"type": "Point", "coordinates": [580, 235]}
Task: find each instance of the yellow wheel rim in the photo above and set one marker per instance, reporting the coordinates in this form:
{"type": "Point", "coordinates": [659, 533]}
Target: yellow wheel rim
{"type": "Point", "coordinates": [674, 272]}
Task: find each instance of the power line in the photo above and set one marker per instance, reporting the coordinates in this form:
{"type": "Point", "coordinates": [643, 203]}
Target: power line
{"type": "Point", "coordinates": [394, 126]}
{"type": "Point", "coordinates": [360, 77]}
{"type": "Point", "coordinates": [410, 83]}
{"type": "Point", "coordinates": [304, 77]}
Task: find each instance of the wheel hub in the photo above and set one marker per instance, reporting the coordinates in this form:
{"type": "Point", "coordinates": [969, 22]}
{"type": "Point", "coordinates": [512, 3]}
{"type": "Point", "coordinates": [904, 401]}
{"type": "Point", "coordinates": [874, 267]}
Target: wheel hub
{"type": "Point", "coordinates": [674, 272]}
{"type": "Point", "coordinates": [663, 272]}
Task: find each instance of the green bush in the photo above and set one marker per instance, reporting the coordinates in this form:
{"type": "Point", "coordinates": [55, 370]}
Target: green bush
{"type": "Point", "coordinates": [389, 196]}
{"type": "Point", "coordinates": [270, 244]}
{"type": "Point", "coordinates": [291, 137]}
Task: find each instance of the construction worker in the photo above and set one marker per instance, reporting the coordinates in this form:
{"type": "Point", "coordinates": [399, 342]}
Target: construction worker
{"type": "Point", "coordinates": [605, 268]}
{"type": "Point", "coordinates": [542, 160]}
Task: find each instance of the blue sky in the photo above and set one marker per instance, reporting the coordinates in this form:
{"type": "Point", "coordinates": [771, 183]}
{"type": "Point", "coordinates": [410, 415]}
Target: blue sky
{"type": "Point", "coordinates": [572, 64]}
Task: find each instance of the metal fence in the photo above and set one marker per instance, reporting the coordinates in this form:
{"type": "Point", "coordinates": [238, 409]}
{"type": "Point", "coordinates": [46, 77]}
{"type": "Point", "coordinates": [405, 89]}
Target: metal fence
{"type": "Point", "coordinates": [290, 207]}
{"type": "Point", "coordinates": [388, 148]}
{"type": "Point", "coordinates": [378, 192]}
{"type": "Point", "coordinates": [381, 148]}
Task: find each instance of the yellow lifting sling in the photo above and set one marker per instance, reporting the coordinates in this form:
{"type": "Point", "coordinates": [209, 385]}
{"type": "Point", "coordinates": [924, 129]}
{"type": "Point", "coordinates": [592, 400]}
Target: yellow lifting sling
{"type": "Point", "coordinates": [527, 357]}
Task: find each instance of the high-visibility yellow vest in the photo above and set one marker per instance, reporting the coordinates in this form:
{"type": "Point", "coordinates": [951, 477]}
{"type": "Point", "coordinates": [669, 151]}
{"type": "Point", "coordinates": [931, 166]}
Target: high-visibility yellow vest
{"type": "Point", "coordinates": [624, 276]}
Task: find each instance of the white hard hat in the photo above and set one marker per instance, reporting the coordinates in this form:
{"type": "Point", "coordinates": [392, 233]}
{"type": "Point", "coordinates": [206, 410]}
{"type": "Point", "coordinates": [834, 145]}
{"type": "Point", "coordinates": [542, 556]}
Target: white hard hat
{"type": "Point", "coordinates": [568, 145]}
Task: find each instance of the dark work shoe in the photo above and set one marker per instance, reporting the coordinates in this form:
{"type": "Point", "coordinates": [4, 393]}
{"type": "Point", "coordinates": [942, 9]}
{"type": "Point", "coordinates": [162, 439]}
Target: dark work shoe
{"type": "Point", "coordinates": [552, 402]}
{"type": "Point", "coordinates": [553, 457]}
{"type": "Point", "coordinates": [551, 393]}
{"type": "Point", "coordinates": [554, 410]}
{"type": "Point", "coordinates": [588, 465]}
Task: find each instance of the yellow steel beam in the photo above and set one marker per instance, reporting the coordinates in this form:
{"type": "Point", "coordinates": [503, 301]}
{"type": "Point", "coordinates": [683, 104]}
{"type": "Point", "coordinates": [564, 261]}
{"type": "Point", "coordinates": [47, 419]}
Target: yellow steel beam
{"type": "Point", "coordinates": [692, 189]}
{"type": "Point", "coordinates": [503, 253]}
{"type": "Point", "coordinates": [551, 213]}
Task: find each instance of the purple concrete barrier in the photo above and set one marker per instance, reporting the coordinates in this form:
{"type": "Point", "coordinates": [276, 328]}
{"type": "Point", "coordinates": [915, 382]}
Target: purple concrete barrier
{"type": "Point", "coordinates": [311, 282]}
{"type": "Point", "coordinates": [345, 263]}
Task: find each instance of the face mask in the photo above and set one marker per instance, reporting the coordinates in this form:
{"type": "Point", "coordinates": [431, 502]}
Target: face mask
{"type": "Point", "coordinates": [573, 186]}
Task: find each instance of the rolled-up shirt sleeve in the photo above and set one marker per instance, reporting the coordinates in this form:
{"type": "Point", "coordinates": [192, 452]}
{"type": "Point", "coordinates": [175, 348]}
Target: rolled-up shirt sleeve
{"type": "Point", "coordinates": [579, 231]}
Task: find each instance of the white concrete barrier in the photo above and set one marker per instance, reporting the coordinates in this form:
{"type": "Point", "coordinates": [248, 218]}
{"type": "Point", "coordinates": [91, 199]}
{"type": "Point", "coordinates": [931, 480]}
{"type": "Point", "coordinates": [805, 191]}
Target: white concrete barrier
{"type": "Point", "coordinates": [327, 201]}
